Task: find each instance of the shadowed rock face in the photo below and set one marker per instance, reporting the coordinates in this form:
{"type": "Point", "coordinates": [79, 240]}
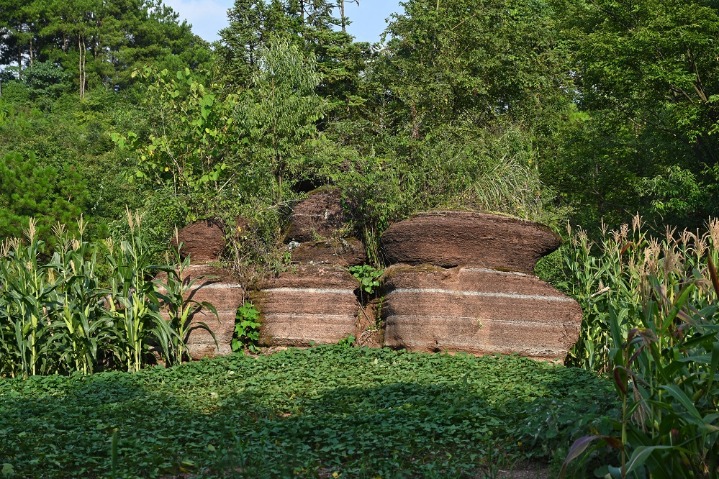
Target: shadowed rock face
{"type": "Point", "coordinates": [341, 252]}
{"type": "Point", "coordinates": [217, 287]}
{"type": "Point", "coordinates": [479, 311]}
{"type": "Point", "coordinates": [317, 217]}
{"type": "Point", "coordinates": [314, 304]}
{"type": "Point", "coordinates": [203, 241]}
{"type": "Point", "coordinates": [459, 238]}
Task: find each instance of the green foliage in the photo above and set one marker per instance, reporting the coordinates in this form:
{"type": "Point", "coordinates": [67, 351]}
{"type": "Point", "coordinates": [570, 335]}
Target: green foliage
{"type": "Point", "coordinates": [33, 190]}
{"type": "Point", "coordinates": [611, 280]}
{"type": "Point", "coordinates": [98, 43]}
{"type": "Point", "coordinates": [645, 73]}
{"type": "Point", "coordinates": [347, 342]}
{"type": "Point", "coordinates": [368, 276]}
{"type": "Point", "coordinates": [90, 307]}
{"type": "Point", "coordinates": [279, 114]}
{"type": "Point", "coordinates": [665, 372]}
{"type": "Point", "coordinates": [190, 145]}
{"type": "Point", "coordinates": [355, 411]}
{"type": "Point", "coordinates": [45, 79]}
{"type": "Point", "coordinates": [247, 328]}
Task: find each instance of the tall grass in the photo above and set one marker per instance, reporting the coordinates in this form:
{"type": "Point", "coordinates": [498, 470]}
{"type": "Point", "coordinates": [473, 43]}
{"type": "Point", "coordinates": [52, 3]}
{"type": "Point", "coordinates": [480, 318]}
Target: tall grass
{"type": "Point", "coordinates": [59, 313]}
{"type": "Point", "coordinates": [651, 321]}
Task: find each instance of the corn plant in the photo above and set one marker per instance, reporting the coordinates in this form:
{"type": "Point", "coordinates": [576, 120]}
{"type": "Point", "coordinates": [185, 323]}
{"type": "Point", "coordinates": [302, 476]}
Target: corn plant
{"type": "Point", "coordinates": [174, 290]}
{"type": "Point", "coordinates": [666, 370]}
{"type": "Point", "coordinates": [62, 316]}
{"type": "Point", "coordinates": [134, 305]}
{"type": "Point", "coordinates": [611, 279]}
{"type": "Point", "coordinates": [24, 298]}
{"type": "Point", "coordinates": [81, 329]}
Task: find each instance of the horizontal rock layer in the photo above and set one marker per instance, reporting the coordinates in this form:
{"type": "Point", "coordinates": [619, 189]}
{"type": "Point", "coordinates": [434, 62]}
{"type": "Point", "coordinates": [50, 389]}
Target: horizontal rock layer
{"type": "Point", "coordinates": [319, 216]}
{"type": "Point", "coordinates": [312, 305]}
{"type": "Point", "coordinates": [217, 287]}
{"type": "Point", "coordinates": [479, 311]}
{"type": "Point", "coordinates": [463, 238]}
{"type": "Point", "coordinates": [340, 252]}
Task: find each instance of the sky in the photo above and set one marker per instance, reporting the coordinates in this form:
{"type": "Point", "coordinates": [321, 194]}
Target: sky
{"type": "Point", "coordinates": [208, 17]}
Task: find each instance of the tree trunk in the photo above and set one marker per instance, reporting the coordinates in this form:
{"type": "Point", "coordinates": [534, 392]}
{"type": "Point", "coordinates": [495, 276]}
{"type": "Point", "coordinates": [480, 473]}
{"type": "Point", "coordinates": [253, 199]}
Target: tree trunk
{"type": "Point", "coordinates": [81, 61]}
{"type": "Point", "coordinates": [342, 16]}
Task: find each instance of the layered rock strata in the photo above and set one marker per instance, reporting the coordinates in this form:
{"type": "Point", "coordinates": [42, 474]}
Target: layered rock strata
{"type": "Point", "coordinates": [203, 242]}
{"type": "Point", "coordinates": [314, 304]}
{"type": "Point", "coordinates": [479, 311]}
{"type": "Point", "coordinates": [316, 235]}
{"type": "Point", "coordinates": [465, 238]}
{"type": "Point", "coordinates": [216, 286]}
{"type": "Point", "coordinates": [464, 283]}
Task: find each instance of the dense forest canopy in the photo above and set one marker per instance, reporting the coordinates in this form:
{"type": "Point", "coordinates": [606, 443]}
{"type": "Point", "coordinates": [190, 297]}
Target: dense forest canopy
{"type": "Point", "coordinates": [554, 110]}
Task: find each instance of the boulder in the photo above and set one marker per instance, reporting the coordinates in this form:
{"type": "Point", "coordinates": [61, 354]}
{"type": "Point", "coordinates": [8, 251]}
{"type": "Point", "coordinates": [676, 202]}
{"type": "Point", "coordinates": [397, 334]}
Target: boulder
{"type": "Point", "coordinates": [313, 304]}
{"type": "Point", "coordinates": [479, 311]}
{"type": "Point", "coordinates": [317, 217]}
{"type": "Point", "coordinates": [217, 287]}
{"type": "Point", "coordinates": [341, 252]}
{"type": "Point", "coordinates": [464, 238]}
{"type": "Point", "coordinates": [203, 241]}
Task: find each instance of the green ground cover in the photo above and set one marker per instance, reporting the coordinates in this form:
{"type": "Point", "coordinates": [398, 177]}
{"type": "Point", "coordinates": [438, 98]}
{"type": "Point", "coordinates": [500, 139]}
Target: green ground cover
{"type": "Point", "coordinates": [299, 413]}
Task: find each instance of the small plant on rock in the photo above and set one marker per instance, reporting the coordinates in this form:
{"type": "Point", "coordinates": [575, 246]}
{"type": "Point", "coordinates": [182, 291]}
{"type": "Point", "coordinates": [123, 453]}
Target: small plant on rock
{"type": "Point", "coordinates": [368, 276]}
{"type": "Point", "coordinates": [247, 328]}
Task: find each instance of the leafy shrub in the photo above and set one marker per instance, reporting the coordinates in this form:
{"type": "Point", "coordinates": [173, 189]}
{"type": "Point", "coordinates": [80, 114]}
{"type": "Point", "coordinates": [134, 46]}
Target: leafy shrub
{"type": "Point", "coordinates": [368, 276]}
{"type": "Point", "coordinates": [247, 328]}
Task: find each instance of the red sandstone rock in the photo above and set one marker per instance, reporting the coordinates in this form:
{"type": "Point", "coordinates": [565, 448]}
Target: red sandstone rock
{"type": "Point", "coordinates": [341, 252]}
{"type": "Point", "coordinates": [202, 240]}
{"type": "Point", "coordinates": [313, 304]}
{"type": "Point", "coordinates": [478, 311]}
{"type": "Point", "coordinates": [462, 238]}
{"type": "Point", "coordinates": [217, 287]}
{"type": "Point", "coordinates": [319, 216]}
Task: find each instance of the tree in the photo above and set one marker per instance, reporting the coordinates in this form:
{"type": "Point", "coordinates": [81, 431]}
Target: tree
{"type": "Point", "coordinates": [99, 41]}
{"type": "Point", "coordinates": [482, 61]}
{"type": "Point", "coordinates": [31, 190]}
{"type": "Point", "coordinates": [308, 24]}
{"type": "Point", "coordinates": [646, 75]}
{"type": "Point", "coordinates": [281, 114]}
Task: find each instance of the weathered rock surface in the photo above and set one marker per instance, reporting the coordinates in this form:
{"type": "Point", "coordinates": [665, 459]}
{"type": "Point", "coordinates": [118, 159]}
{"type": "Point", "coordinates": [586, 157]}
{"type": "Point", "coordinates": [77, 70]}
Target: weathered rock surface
{"type": "Point", "coordinates": [202, 240]}
{"type": "Point", "coordinates": [319, 216]}
{"type": "Point", "coordinates": [479, 311]}
{"type": "Point", "coordinates": [341, 252]}
{"type": "Point", "coordinates": [311, 305]}
{"type": "Point", "coordinates": [217, 287]}
{"type": "Point", "coordinates": [462, 238]}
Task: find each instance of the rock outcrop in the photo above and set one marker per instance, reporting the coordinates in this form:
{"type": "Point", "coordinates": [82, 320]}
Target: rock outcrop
{"type": "Point", "coordinates": [464, 283]}
{"type": "Point", "coordinates": [216, 286]}
{"type": "Point", "coordinates": [314, 304]}
{"type": "Point", "coordinates": [477, 310]}
{"type": "Point", "coordinates": [203, 241]}
{"type": "Point", "coordinates": [464, 238]}
{"type": "Point", "coordinates": [340, 252]}
{"type": "Point", "coordinates": [317, 217]}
